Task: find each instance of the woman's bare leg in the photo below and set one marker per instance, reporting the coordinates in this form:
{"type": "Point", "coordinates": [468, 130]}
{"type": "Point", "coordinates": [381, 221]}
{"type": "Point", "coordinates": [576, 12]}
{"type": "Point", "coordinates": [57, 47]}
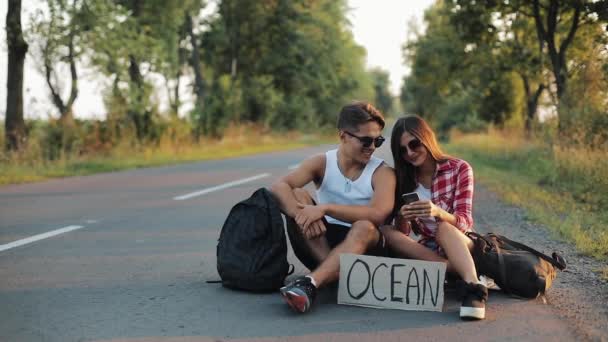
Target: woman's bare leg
{"type": "Point", "coordinates": [405, 246]}
{"type": "Point", "coordinates": [457, 247]}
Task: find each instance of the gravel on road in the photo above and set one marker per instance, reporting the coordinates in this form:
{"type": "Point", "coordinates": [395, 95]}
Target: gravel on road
{"type": "Point", "coordinates": [579, 293]}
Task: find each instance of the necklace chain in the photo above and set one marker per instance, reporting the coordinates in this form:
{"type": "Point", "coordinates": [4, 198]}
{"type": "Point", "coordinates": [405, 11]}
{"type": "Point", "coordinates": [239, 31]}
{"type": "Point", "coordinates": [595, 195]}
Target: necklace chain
{"type": "Point", "coordinates": [347, 185]}
{"type": "Point", "coordinates": [348, 181]}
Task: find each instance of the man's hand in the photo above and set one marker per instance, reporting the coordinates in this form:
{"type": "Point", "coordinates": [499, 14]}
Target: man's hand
{"type": "Point", "coordinates": [314, 230]}
{"type": "Point", "coordinates": [308, 214]}
{"type": "Point", "coordinates": [309, 219]}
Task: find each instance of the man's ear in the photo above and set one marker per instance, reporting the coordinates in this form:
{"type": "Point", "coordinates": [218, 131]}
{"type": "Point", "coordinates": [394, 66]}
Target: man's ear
{"type": "Point", "coordinates": [342, 136]}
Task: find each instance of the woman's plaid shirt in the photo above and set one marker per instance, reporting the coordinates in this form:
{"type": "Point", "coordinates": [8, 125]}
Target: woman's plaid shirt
{"type": "Point", "coordinates": [452, 190]}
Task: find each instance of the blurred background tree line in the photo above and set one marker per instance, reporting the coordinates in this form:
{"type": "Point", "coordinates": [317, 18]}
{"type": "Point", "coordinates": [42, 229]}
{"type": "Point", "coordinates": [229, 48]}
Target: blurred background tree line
{"type": "Point", "coordinates": [538, 66]}
{"type": "Point", "coordinates": [284, 65]}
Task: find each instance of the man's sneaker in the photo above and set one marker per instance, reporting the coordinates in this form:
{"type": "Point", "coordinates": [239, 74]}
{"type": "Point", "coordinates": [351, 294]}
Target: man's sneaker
{"type": "Point", "coordinates": [474, 301]}
{"type": "Point", "coordinates": [299, 294]}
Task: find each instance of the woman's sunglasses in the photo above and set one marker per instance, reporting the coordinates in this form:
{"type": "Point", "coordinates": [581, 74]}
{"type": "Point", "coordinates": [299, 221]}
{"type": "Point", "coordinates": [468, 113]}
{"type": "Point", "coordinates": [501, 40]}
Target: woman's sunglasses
{"type": "Point", "coordinates": [367, 141]}
{"type": "Point", "coordinates": [412, 145]}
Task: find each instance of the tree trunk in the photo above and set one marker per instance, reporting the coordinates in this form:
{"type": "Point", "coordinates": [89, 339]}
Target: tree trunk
{"type": "Point", "coordinates": [531, 102]}
{"type": "Point", "coordinates": [137, 111]}
{"type": "Point", "coordinates": [557, 55]}
{"type": "Point", "coordinates": [199, 81]}
{"type": "Point", "coordinates": [17, 48]}
{"type": "Point", "coordinates": [64, 108]}
{"type": "Point", "coordinates": [137, 106]}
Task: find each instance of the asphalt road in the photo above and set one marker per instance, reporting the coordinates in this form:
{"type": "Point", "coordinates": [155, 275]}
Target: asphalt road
{"type": "Point", "coordinates": [135, 264]}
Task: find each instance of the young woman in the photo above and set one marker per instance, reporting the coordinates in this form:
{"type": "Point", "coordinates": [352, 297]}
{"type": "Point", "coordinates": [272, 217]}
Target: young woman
{"type": "Point", "coordinates": [443, 212]}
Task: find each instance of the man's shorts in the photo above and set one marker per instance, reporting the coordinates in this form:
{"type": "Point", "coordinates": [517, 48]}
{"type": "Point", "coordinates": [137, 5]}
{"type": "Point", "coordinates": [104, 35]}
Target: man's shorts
{"type": "Point", "coordinates": [334, 234]}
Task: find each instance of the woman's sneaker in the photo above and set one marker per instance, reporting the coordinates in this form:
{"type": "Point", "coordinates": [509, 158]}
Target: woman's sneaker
{"type": "Point", "coordinates": [489, 283]}
{"type": "Point", "coordinates": [299, 294]}
{"type": "Point", "coordinates": [474, 301]}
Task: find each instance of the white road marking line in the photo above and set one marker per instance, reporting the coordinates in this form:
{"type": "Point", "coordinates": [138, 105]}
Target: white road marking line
{"type": "Point", "coordinates": [293, 167]}
{"type": "Point", "coordinates": [220, 187]}
{"type": "Point", "coordinates": [38, 237]}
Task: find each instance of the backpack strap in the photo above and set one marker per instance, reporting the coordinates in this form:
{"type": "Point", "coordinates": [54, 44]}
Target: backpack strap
{"type": "Point", "coordinates": [502, 272]}
{"type": "Point", "coordinates": [502, 266]}
{"type": "Point", "coordinates": [555, 259]}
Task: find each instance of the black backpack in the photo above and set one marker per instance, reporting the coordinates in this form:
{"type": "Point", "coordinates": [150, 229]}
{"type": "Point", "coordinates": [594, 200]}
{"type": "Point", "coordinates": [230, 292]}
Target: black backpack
{"type": "Point", "coordinates": [517, 269]}
{"type": "Point", "coordinates": [252, 250]}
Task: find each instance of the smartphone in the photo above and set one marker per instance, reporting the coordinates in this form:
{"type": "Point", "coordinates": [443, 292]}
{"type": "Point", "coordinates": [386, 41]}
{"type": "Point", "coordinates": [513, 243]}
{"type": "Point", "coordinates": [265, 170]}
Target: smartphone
{"type": "Point", "coordinates": [410, 197]}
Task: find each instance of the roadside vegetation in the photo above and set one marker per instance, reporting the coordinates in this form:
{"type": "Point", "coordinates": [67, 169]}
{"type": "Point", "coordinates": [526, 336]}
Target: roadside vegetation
{"type": "Point", "coordinates": [526, 81]}
{"type": "Point", "coordinates": [564, 188]}
{"type": "Point", "coordinates": [92, 153]}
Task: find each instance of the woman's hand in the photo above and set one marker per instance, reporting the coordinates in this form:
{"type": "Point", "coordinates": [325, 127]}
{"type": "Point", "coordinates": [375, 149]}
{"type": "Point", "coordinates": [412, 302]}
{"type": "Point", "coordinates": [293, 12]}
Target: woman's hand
{"type": "Point", "coordinates": [403, 225]}
{"type": "Point", "coordinates": [419, 209]}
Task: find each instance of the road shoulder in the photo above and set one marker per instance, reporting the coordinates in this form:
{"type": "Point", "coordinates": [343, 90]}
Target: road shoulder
{"type": "Point", "coordinates": [578, 293]}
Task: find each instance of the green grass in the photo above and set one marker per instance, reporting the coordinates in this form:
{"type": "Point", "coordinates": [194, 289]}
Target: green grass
{"type": "Point", "coordinates": [564, 189]}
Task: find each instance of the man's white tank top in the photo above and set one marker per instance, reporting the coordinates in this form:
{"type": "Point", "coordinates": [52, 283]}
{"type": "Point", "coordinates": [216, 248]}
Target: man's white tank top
{"type": "Point", "coordinates": [337, 189]}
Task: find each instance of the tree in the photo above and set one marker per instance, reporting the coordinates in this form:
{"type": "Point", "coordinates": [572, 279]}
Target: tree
{"type": "Point", "coordinates": [133, 42]}
{"type": "Point", "coordinates": [526, 61]}
{"type": "Point", "coordinates": [513, 36]}
{"type": "Point", "coordinates": [199, 80]}
{"type": "Point", "coordinates": [457, 78]}
{"type": "Point", "coordinates": [557, 23]}
{"type": "Point", "coordinates": [383, 98]}
{"type": "Point", "coordinates": [547, 18]}
{"type": "Point", "coordinates": [17, 48]}
{"type": "Point", "coordinates": [180, 44]}
{"type": "Point", "coordinates": [58, 42]}
{"type": "Point", "coordinates": [295, 62]}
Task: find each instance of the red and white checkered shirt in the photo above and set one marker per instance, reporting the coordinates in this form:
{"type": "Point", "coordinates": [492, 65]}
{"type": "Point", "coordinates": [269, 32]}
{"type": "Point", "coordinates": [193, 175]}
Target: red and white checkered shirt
{"type": "Point", "coordinates": [452, 190]}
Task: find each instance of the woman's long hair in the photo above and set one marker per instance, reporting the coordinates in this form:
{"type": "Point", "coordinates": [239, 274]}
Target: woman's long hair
{"type": "Point", "coordinates": [406, 173]}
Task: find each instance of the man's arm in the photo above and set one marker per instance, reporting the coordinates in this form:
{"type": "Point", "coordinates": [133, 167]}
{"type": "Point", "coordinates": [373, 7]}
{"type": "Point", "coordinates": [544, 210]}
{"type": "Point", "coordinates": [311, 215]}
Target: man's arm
{"type": "Point", "coordinates": [309, 170]}
{"type": "Point", "coordinates": [380, 206]}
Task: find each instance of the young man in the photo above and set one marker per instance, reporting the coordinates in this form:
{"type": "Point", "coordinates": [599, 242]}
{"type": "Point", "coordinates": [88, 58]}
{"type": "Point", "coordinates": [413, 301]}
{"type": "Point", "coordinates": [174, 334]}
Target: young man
{"type": "Point", "coordinates": [355, 194]}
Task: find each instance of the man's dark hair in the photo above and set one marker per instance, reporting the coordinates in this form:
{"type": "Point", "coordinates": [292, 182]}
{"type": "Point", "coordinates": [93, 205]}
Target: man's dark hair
{"type": "Point", "coordinates": [358, 113]}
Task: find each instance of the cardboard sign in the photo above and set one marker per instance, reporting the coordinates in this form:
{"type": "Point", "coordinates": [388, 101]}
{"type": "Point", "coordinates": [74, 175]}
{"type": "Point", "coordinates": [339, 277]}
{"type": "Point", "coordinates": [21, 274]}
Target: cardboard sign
{"type": "Point", "coordinates": [391, 283]}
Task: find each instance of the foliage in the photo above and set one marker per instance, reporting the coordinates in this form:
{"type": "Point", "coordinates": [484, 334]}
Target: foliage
{"type": "Point", "coordinates": [101, 149]}
{"type": "Point", "coordinates": [57, 45]}
{"type": "Point", "coordinates": [294, 62]}
{"type": "Point", "coordinates": [383, 98]}
{"type": "Point", "coordinates": [504, 62]}
{"type": "Point", "coordinates": [562, 188]}
{"type": "Point", "coordinates": [290, 65]}
{"type": "Point", "coordinates": [451, 78]}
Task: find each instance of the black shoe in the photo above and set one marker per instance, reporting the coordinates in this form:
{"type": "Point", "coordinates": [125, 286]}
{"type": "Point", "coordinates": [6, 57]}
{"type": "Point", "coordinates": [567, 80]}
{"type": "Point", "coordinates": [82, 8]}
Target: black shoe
{"type": "Point", "coordinates": [299, 294]}
{"type": "Point", "coordinates": [474, 301]}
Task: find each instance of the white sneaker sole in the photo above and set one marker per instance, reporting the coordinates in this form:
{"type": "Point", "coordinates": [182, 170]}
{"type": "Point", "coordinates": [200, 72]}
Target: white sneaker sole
{"type": "Point", "coordinates": [472, 313]}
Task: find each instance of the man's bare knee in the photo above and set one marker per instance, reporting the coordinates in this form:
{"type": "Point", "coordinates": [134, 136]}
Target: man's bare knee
{"type": "Point", "coordinates": [363, 232]}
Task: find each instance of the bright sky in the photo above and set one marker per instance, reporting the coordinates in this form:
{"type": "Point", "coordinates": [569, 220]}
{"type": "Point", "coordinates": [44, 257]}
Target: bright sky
{"type": "Point", "coordinates": [379, 25]}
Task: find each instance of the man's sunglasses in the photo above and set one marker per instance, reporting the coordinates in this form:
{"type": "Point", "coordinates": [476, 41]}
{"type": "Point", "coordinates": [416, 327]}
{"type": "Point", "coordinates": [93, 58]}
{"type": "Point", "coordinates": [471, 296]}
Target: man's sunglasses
{"type": "Point", "coordinates": [412, 145]}
{"type": "Point", "coordinates": [367, 141]}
